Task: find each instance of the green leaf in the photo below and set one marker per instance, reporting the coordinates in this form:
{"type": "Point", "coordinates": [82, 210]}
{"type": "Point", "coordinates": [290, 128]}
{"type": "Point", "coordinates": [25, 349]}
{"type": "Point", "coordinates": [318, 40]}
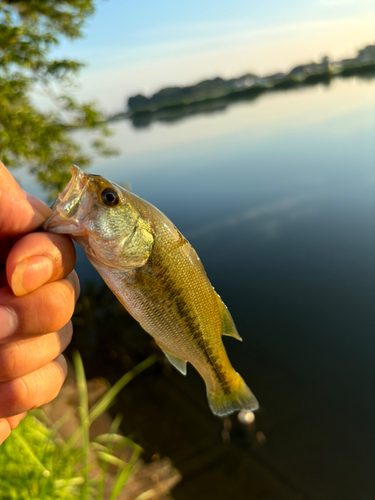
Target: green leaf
{"type": "Point", "coordinates": [29, 29]}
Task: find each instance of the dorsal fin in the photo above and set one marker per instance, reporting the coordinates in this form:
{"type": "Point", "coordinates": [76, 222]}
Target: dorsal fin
{"type": "Point", "coordinates": [229, 328]}
{"type": "Point", "coordinates": [177, 362]}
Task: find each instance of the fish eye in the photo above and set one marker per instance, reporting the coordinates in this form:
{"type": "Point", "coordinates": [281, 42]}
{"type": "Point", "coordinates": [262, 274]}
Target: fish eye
{"type": "Point", "coordinates": [110, 197]}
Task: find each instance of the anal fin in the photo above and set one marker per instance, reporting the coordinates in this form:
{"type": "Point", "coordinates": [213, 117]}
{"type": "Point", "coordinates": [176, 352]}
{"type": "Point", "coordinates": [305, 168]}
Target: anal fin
{"type": "Point", "coordinates": [229, 328]}
{"type": "Point", "coordinates": [177, 362]}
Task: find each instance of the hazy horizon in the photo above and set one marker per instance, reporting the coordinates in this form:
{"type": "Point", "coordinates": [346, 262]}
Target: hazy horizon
{"type": "Point", "coordinates": [132, 49]}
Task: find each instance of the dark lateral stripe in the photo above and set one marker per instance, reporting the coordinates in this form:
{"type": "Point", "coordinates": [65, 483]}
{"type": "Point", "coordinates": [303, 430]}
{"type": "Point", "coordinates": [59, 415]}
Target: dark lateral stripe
{"type": "Point", "coordinates": [173, 294]}
{"type": "Point", "coordinates": [176, 296]}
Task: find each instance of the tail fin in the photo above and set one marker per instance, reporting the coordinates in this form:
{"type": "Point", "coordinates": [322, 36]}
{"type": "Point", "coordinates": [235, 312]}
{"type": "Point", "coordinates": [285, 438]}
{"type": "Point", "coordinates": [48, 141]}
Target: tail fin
{"type": "Point", "coordinates": [239, 397]}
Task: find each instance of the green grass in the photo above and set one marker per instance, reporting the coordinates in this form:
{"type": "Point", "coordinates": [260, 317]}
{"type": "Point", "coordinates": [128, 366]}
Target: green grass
{"type": "Point", "coordinates": [35, 463]}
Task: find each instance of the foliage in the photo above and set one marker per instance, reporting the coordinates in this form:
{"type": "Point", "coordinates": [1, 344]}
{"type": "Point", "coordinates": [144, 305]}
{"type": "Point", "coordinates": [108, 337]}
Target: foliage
{"type": "Point", "coordinates": [43, 140]}
{"type": "Point", "coordinates": [36, 464]}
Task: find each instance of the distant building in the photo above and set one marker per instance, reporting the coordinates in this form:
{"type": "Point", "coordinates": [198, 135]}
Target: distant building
{"type": "Point", "coordinates": [349, 63]}
{"type": "Point", "coordinates": [367, 55]}
{"type": "Point", "coordinates": [275, 78]}
{"type": "Point", "coordinates": [325, 63]}
{"type": "Point", "coordinates": [245, 81]}
{"type": "Point", "coordinates": [306, 70]}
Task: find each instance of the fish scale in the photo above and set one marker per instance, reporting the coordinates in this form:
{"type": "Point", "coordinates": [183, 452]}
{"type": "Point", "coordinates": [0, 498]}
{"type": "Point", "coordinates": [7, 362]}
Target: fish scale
{"type": "Point", "coordinates": [158, 277]}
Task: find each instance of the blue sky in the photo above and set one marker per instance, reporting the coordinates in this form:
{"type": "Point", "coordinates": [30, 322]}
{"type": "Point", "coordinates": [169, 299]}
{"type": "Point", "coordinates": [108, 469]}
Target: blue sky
{"type": "Point", "coordinates": [135, 46]}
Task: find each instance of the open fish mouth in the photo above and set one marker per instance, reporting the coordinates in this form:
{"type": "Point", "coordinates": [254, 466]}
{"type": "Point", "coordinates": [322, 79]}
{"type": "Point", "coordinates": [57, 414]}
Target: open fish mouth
{"type": "Point", "coordinates": [67, 203]}
{"type": "Point", "coordinates": [68, 200]}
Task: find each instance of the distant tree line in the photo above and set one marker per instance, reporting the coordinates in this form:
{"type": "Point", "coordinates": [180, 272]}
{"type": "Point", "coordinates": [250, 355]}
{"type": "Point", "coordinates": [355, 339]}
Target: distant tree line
{"type": "Point", "coordinates": [250, 83]}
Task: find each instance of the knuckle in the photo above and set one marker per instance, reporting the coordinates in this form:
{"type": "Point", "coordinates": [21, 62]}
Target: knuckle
{"type": "Point", "coordinates": [17, 396]}
{"type": "Point", "coordinates": [66, 334]}
{"type": "Point", "coordinates": [58, 307]}
{"type": "Point", "coordinates": [59, 377]}
{"type": "Point", "coordinates": [74, 280]}
{"type": "Point", "coordinates": [33, 390]}
{"type": "Point", "coordinates": [63, 366]}
{"type": "Point", "coordinates": [12, 356]}
{"type": "Point", "coordinates": [22, 392]}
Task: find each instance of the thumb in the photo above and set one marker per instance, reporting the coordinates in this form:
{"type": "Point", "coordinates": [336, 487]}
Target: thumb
{"type": "Point", "coordinates": [20, 212]}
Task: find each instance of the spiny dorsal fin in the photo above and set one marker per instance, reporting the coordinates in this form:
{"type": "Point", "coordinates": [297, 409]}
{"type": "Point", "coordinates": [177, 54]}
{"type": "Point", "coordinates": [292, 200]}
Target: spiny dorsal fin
{"type": "Point", "coordinates": [177, 362]}
{"type": "Point", "coordinates": [229, 328]}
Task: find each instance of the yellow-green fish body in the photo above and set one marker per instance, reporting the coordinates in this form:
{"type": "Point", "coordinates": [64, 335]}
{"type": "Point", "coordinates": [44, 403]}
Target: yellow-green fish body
{"type": "Point", "coordinates": [158, 277]}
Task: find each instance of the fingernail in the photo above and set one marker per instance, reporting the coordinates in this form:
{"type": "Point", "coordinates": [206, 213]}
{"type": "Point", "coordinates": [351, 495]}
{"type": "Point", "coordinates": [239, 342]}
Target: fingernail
{"type": "Point", "coordinates": [30, 274]}
{"type": "Point", "coordinates": [8, 322]}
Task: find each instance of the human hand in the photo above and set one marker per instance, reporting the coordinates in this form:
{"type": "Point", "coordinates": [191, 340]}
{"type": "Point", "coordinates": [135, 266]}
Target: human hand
{"type": "Point", "coordinates": [38, 291]}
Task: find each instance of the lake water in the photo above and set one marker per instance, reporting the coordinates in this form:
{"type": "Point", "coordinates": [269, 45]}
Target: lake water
{"type": "Point", "coordinates": [277, 197]}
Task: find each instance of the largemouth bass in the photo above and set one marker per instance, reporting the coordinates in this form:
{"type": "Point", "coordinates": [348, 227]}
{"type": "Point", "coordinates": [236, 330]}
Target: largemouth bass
{"type": "Point", "coordinates": [158, 277]}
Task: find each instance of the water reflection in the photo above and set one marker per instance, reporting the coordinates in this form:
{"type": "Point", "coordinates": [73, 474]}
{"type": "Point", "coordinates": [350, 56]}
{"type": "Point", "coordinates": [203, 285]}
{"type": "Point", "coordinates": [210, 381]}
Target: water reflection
{"type": "Point", "coordinates": [276, 116]}
{"type": "Point", "coordinates": [176, 113]}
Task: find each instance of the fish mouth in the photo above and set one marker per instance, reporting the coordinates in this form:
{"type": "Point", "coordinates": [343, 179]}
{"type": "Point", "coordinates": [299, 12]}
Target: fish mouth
{"type": "Point", "coordinates": [68, 200]}
{"type": "Point", "coordinates": [67, 203]}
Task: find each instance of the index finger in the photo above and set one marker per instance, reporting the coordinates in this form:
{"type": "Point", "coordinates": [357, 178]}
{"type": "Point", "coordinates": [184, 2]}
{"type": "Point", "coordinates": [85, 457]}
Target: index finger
{"type": "Point", "coordinates": [39, 258]}
{"type": "Point", "coordinates": [20, 212]}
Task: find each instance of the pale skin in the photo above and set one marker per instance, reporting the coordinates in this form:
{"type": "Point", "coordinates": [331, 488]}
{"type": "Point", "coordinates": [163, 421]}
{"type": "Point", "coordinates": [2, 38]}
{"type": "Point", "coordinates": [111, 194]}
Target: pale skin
{"type": "Point", "coordinates": [38, 292]}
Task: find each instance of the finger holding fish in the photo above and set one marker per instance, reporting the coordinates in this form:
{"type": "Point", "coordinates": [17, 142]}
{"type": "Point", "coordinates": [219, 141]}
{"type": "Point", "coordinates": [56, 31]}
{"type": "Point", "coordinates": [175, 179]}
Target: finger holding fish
{"type": "Point", "coordinates": [42, 311]}
{"type": "Point", "coordinates": [22, 355]}
{"type": "Point", "coordinates": [38, 258]}
{"type": "Point", "coordinates": [36, 285]}
{"type": "Point", "coordinates": [30, 391]}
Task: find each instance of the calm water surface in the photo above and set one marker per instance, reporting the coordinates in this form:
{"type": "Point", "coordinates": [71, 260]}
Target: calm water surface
{"type": "Point", "coordinates": [277, 197]}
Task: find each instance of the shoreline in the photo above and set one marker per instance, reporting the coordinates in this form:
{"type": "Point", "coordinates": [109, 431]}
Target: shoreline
{"type": "Point", "coordinates": [178, 110]}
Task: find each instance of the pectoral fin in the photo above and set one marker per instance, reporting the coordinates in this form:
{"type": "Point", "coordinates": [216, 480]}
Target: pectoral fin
{"type": "Point", "coordinates": [229, 328]}
{"type": "Point", "coordinates": [177, 362]}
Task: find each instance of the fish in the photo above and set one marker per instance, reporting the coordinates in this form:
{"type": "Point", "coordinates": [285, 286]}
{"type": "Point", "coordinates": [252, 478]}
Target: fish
{"type": "Point", "coordinates": [158, 277]}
